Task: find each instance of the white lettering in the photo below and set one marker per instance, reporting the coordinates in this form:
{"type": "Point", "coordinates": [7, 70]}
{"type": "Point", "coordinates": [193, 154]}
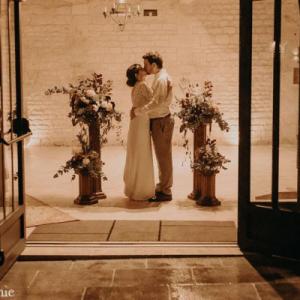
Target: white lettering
{"type": "Point", "coordinates": [7, 293]}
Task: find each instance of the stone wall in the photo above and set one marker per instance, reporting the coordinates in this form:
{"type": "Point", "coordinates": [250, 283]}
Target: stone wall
{"type": "Point", "coordinates": [65, 39]}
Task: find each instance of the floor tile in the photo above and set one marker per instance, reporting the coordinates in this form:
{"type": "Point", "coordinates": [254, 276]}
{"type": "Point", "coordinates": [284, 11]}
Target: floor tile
{"type": "Point", "coordinates": [70, 281]}
{"type": "Point", "coordinates": [184, 262]}
{"type": "Point", "coordinates": [270, 268]}
{"type": "Point", "coordinates": [24, 274]}
{"type": "Point", "coordinates": [69, 237]}
{"type": "Point", "coordinates": [109, 264]}
{"type": "Point", "coordinates": [198, 232]}
{"type": "Point", "coordinates": [152, 277]}
{"type": "Point", "coordinates": [60, 193]}
{"type": "Point", "coordinates": [274, 291]}
{"type": "Point", "coordinates": [47, 295]}
{"type": "Point", "coordinates": [214, 292]}
{"type": "Point", "coordinates": [85, 226]}
{"type": "Point", "coordinates": [199, 223]}
{"type": "Point", "coordinates": [135, 231]}
{"type": "Point", "coordinates": [226, 275]}
{"type": "Point", "coordinates": [124, 293]}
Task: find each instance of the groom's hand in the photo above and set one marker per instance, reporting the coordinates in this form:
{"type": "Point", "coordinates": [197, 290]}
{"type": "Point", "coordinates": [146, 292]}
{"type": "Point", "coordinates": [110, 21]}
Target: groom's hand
{"type": "Point", "coordinates": [132, 113]}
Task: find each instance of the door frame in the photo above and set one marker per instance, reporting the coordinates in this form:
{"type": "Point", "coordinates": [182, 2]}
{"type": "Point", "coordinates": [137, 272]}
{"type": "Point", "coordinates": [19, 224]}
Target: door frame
{"type": "Point", "coordinates": [263, 227]}
{"type": "Point", "coordinates": [13, 227]}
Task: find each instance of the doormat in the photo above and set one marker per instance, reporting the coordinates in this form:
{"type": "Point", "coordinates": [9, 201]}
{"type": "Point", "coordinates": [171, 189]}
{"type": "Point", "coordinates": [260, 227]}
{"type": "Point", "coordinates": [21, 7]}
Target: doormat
{"type": "Point", "coordinates": [137, 231]}
{"type": "Point", "coordinates": [39, 213]}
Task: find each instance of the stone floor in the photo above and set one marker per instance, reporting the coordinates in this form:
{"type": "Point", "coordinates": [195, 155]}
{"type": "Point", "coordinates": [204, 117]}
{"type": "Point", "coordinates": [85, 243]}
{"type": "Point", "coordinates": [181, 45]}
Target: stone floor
{"type": "Point", "coordinates": [137, 231]}
{"type": "Point", "coordinates": [42, 163]}
{"type": "Point", "coordinates": [215, 278]}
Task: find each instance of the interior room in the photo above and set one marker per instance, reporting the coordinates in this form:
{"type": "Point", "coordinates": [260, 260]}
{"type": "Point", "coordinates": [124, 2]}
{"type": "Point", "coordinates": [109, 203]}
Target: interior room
{"type": "Point", "coordinates": [149, 149]}
{"type": "Point", "coordinates": [64, 42]}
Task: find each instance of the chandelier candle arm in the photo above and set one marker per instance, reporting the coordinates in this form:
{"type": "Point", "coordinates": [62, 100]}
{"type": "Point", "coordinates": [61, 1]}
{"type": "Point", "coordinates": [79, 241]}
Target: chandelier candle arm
{"type": "Point", "coordinates": [121, 11]}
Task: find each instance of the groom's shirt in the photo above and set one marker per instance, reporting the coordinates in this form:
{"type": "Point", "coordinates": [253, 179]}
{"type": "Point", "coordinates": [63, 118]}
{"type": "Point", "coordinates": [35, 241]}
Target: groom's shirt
{"type": "Point", "coordinates": [159, 105]}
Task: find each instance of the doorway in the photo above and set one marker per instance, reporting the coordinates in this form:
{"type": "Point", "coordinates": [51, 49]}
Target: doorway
{"type": "Point", "coordinates": [184, 56]}
{"type": "Point", "coordinates": [247, 209]}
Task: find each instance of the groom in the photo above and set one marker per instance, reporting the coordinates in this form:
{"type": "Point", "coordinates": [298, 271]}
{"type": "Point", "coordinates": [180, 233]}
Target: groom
{"type": "Point", "coordinates": [161, 123]}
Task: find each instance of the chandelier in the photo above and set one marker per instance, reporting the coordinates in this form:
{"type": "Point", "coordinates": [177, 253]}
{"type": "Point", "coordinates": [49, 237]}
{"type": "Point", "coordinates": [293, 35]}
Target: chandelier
{"type": "Point", "coordinates": [121, 11]}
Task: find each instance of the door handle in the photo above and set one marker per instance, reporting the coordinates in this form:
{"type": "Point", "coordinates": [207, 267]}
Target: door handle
{"type": "Point", "coordinates": [17, 139]}
{"type": "Point", "coordinates": [20, 127]}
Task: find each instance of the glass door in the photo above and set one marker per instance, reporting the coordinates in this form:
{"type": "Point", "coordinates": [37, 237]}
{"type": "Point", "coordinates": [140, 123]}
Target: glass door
{"type": "Point", "coordinates": [269, 215]}
{"type": "Point", "coordinates": [14, 130]}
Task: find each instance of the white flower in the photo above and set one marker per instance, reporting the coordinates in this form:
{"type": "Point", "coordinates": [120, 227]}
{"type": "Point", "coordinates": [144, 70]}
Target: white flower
{"type": "Point", "coordinates": [104, 104]}
{"type": "Point", "coordinates": [95, 107]}
{"type": "Point", "coordinates": [85, 161]}
{"type": "Point", "coordinates": [90, 93]}
{"type": "Point", "coordinates": [84, 100]}
{"type": "Point", "coordinates": [109, 107]}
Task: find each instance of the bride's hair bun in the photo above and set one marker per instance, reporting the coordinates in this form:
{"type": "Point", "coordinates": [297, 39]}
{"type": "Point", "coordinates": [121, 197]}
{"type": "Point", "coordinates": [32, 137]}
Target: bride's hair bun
{"type": "Point", "coordinates": [131, 74]}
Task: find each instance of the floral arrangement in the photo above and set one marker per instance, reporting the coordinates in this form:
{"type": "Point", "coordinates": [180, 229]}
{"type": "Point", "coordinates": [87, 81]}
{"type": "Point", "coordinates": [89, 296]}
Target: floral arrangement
{"type": "Point", "coordinates": [197, 107]}
{"type": "Point", "coordinates": [91, 104]}
{"type": "Point", "coordinates": [208, 161]}
{"type": "Point", "coordinates": [85, 163]}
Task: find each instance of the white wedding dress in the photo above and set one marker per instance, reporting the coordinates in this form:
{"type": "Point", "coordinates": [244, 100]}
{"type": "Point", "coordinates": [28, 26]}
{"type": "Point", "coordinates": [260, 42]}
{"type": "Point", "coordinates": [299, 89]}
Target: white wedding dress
{"type": "Point", "coordinates": [139, 171]}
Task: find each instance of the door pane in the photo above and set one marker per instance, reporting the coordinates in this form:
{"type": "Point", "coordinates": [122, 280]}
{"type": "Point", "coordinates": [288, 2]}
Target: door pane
{"type": "Point", "coordinates": [289, 104]}
{"type": "Point", "coordinates": [262, 99]}
{"type": "Point", "coordinates": [8, 182]}
{"type": "Point", "coordinates": [15, 176]}
{"type": "Point", "coordinates": [13, 98]}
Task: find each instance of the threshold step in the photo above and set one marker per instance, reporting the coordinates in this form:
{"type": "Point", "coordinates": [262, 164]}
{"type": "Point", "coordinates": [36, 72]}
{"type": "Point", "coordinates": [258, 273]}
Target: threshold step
{"type": "Point", "coordinates": [53, 251]}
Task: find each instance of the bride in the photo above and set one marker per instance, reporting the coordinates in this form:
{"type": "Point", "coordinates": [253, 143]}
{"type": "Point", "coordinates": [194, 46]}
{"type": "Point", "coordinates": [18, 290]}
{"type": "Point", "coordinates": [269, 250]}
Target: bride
{"type": "Point", "coordinates": [139, 171]}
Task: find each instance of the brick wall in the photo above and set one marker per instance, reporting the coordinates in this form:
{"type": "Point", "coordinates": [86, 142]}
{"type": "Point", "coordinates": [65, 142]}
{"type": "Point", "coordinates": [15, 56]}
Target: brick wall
{"type": "Point", "coordinates": [198, 40]}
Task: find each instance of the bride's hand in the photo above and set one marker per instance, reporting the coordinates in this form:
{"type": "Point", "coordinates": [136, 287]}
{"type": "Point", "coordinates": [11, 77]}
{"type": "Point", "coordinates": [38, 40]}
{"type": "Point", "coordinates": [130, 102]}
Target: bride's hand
{"type": "Point", "coordinates": [132, 114]}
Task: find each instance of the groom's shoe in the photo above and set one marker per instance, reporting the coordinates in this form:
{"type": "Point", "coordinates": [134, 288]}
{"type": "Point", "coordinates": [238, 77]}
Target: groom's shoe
{"type": "Point", "coordinates": [153, 199]}
{"type": "Point", "coordinates": [163, 197]}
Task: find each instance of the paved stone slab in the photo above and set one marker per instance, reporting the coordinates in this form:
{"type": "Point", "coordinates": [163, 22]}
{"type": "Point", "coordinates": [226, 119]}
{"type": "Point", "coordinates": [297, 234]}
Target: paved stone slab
{"type": "Point", "coordinates": [227, 275]}
{"type": "Point", "coordinates": [183, 262]}
{"type": "Point", "coordinates": [135, 231]}
{"type": "Point", "coordinates": [214, 292]}
{"type": "Point", "coordinates": [118, 293]}
{"type": "Point", "coordinates": [107, 264]}
{"type": "Point", "coordinates": [199, 223]}
{"type": "Point", "coordinates": [152, 277]}
{"type": "Point", "coordinates": [278, 291]}
{"type": "Point", "coordinates": [198, 232]}
{"type": "Point", "coordinates": [71, 281]}
{"type": "Point", "coordinates": [47, 295]}
{"type": "Point", "coordinates": [85, 226]}
{"type": "Point", "coordinates": [68, 237]}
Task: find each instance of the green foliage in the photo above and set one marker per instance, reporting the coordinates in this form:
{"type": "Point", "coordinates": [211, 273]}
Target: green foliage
{"type": "Point", "coordinates": [208, 161]}
{"type": "Point", "coordinates": [91, 105]}
{"type": "Point", "coordinates": [197, 108]}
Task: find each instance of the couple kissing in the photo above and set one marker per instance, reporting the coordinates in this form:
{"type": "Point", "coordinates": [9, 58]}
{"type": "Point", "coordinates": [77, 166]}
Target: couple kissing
{"type": "Point", "coordinates": [151, 121]}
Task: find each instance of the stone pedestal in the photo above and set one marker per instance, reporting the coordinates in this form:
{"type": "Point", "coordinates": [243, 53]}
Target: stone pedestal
{"type": "Point", "coordinates": [199, 140]}
{"type": "Point", "coordinates": [203, 186]}
{"type": "Point", "coordinates": [208, 191]}
{"type": "Point", "coordinates": [90, 188]}
{"type": "Point", "coordinates": [87, 191]}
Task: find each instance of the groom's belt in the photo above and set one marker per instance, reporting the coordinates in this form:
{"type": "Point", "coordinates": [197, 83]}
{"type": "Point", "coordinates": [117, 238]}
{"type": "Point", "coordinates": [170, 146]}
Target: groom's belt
{"type": "Point", "coordinates": [165, 117]}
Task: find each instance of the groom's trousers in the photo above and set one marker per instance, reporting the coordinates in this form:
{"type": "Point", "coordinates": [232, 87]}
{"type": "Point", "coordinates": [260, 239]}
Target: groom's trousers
{"type": "Point", "coordinates": [162, 132]}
